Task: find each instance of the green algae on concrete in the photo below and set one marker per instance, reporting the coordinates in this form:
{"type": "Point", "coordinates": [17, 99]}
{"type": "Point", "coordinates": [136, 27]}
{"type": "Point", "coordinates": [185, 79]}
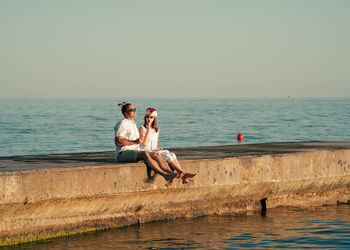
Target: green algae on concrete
{"type": "Point", "coordinates": [44, 236]}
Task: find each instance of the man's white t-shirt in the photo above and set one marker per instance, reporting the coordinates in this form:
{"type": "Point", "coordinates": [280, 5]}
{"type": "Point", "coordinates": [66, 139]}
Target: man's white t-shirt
{"type": "Point", "coordinates": [127, 129]}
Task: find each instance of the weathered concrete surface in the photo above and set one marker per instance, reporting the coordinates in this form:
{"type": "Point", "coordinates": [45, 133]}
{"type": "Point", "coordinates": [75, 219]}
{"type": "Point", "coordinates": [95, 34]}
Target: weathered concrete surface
{"type": "Point", "coordinates": [30, 162]}
{"type": "Point", "coordinates": [57, 194]}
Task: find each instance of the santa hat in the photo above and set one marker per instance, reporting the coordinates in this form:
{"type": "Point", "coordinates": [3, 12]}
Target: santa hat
{"type": "Point", "coordinates": [151, 112]}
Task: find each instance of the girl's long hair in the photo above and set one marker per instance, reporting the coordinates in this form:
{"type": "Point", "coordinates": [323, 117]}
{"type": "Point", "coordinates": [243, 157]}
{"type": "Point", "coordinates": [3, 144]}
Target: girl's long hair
{"type": "Point", "coordinates": [153, 125]}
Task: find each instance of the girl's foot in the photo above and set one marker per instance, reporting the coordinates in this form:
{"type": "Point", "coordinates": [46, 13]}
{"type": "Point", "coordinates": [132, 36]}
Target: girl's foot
{"type": "Point", "coordinates": [170, 177]}
{"type": "Point", "coordinates": [180, 175]}
{"type": "Point", "coordinates": [186, 176]}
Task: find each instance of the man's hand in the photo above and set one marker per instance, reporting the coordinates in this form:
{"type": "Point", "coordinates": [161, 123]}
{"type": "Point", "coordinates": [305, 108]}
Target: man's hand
{"type": "Point", "coordinates": [121, 141]}
{"type": "Point", "coordinates": [140, 140]}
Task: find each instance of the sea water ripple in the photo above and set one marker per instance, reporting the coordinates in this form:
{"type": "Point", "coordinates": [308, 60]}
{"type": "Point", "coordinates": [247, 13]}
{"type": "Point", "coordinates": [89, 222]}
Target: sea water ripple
{"type": "Point", "coordinates": [45, 126]}
{"type": "Point", "coordinates": [317, 228]}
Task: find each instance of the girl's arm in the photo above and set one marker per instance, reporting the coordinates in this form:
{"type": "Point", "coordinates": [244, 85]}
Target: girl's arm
{"type": "Point", "coordinates": [158, 148]}
{"type": "Point", "coordinates": [144, 136]}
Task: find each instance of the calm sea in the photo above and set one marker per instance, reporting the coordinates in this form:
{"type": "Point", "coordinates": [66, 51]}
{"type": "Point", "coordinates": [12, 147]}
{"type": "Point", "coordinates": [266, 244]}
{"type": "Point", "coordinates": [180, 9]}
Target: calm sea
{"type": "Point", "coordinates": [318, 228]}
{"type": "Point", "coordinates": [43, 126]}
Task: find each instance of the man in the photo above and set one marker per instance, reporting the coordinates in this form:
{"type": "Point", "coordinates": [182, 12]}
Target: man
{"type": "Point", "coordinates": [127, 141]}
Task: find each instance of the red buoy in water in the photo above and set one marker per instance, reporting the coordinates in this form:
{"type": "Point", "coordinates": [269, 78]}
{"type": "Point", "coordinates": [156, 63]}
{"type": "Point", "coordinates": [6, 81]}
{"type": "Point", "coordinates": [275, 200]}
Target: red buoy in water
{"type": "Point", "coordinates": [240, 137]}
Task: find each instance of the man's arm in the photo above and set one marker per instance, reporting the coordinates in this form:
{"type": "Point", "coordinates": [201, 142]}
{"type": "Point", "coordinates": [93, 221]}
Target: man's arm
{"type": "Point", "coordinates": [121, 141]}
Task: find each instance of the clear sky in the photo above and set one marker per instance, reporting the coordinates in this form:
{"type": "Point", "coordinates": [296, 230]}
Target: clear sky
{"type": "Point", "coordinates": [179, 48]}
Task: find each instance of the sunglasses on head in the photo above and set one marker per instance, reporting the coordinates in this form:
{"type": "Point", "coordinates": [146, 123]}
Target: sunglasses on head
{"type": "Point", "coordinates": [147, 116]}
{"type": "Point", "coordinates": [131, 110]}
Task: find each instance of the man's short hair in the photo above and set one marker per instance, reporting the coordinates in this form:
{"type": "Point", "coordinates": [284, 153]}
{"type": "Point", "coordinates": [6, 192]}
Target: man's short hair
{"type": "Point", "coordinates": [124, 106]}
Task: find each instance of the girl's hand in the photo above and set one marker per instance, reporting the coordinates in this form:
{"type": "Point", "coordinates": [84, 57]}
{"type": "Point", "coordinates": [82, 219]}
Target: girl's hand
{"type": "Point", "coordinates": [148, 125]}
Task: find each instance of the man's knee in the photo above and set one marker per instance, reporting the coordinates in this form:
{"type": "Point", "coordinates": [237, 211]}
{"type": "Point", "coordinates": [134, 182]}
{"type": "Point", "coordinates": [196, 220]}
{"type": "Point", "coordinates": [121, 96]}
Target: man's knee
{"type": "Point", "coordinates": [154, 155]}
{"type": "Point", "coordinates": [159, 157]}
{"type": "Point", "coordinates": [143, 155]}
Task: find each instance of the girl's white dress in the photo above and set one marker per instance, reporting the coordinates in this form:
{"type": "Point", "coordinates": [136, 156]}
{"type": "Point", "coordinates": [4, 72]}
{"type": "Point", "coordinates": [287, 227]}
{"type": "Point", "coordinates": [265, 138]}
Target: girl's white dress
{"type": "Point", "coordinates": [152, 144]}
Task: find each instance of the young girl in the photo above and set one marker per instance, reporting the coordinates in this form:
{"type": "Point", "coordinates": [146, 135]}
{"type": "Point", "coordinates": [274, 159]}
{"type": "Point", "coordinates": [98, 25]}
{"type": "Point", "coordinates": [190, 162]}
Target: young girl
{"type": "Point", "coordinates": [150, 132]}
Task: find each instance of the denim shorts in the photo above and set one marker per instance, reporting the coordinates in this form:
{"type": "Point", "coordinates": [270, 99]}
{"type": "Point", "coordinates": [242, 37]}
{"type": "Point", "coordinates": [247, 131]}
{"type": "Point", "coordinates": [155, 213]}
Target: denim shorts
{"type": "Point", "coordinates": [128, 156]}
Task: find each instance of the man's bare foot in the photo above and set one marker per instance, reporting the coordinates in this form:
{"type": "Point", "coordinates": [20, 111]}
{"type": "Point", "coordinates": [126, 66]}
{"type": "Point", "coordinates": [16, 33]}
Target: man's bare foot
{"type": "Point", "coordinates": [170, 177]}
{"type": "Point", "coordinates": [186, 176]}
{"type": "Point", "coordinates": [150, 179]}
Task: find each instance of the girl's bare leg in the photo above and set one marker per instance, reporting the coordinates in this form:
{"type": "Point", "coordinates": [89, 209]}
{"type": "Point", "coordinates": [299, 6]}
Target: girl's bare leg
{"type": "Point", "coordinates": [161, 162]}
{"type": "Point", "coordinates": [144, 155]}
{"type": "Point", "coordinates": [182, 174]}
{"type": "Point", "coordinates": [176, 165]}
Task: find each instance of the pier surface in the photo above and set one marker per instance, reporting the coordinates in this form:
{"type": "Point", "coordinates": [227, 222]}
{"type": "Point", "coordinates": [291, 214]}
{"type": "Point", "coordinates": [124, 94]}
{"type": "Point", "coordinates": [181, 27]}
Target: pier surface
{"type": "Point", "coordinates": [45, 196]}
{"type": "Point", "coordinates": [31, 162]}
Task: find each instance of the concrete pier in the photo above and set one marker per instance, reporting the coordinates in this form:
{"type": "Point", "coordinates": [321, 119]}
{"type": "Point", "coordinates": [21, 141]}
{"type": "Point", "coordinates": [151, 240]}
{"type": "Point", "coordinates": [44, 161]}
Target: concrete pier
{"type": "Point", "coordinates": [54, 195]}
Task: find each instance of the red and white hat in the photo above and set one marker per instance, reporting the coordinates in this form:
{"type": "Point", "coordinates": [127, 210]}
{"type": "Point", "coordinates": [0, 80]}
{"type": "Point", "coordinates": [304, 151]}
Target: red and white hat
{"type": "Point", "coordinates": [151, 112]}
